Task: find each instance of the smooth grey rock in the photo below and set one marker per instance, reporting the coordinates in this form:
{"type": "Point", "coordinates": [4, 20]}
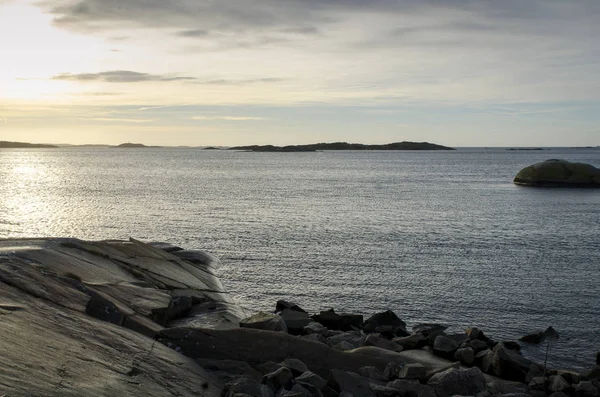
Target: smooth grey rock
{"type": "Point", "coordinates": [452, 382]}
{"type": "Point", "coordinates": [265, 321]}
{"type": "Point", "coordinates": [465, 355]}
{"type": "Point", "coordinates": [444, 346]}
{"type": "Point", "coordinates": [379, 341]}
{"type": "Point", "coordinates": [350, 382]}
{"type": "Point", "coordinates": [343, 346]}
{"type": "Point", "coordinates": [229, 370]}
{"type": "Point", "coordinates": [280, 379]}
{"type": "Point", "coordinates": [197, 257]}
{"type": "Point", "coordinates": [413, 371]}
{"type": "Point", "coordinates": [559, 173]}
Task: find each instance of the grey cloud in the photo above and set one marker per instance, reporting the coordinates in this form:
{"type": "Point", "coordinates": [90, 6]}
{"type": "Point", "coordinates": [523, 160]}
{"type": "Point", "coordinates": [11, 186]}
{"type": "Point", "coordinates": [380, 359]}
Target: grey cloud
{"type": "Point", "coordinates": [118, 76]}
{"type": "Point", "coordinates": [193, 33]}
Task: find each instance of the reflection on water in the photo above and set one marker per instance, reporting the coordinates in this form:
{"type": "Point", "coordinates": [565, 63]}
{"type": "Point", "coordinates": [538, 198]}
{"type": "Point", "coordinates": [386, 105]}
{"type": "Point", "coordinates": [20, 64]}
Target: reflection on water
{"type": "Point", "coordinates": [435, 236]}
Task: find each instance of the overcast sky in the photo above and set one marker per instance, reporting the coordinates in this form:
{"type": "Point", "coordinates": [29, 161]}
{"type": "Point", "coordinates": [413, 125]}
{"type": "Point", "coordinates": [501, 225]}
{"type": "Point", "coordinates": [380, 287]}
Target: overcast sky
{"type": "Point", "coordinates": [226, 72]}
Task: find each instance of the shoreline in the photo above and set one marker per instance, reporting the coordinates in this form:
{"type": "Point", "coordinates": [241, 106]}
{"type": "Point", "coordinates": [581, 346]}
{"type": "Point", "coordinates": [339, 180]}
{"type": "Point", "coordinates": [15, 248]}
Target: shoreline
{"type": "Point", "coordinates": [158, 294]}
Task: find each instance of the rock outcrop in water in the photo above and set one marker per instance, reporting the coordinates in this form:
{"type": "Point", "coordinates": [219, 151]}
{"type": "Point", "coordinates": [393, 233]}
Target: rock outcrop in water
{"type": "Point", "coordinates": [124, 318]}
{"type": "Point", "coordinates": [343, 146]}
{"type": "Point", "coordinates": [559, 173]}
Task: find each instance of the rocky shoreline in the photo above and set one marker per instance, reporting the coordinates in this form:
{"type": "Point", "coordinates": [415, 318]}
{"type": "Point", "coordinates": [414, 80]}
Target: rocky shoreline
{"type": "Point", "coordinates": [109, 318]}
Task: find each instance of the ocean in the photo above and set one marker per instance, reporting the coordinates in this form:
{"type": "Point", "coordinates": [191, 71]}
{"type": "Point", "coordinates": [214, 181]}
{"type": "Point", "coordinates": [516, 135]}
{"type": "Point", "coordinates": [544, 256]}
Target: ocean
{"type": "Point", "coordinates": [441, 236]}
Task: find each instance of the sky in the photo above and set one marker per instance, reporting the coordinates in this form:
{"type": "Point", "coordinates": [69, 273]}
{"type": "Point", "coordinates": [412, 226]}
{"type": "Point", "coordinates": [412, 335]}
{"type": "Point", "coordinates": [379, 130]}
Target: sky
{"type": "Point", "coordinates": [235, 72]}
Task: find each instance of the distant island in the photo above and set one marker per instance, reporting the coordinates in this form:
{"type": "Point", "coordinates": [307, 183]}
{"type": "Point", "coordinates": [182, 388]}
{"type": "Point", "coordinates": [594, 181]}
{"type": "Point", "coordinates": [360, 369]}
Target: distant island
{"type": "Point", "coordinates": [342, 146]}
{"type": "Point", "coordinates": [24, 145]}
{"type": "Point", "coordinates": [130, 145]}
{"type": "Point", "coordinates": [525, 148]}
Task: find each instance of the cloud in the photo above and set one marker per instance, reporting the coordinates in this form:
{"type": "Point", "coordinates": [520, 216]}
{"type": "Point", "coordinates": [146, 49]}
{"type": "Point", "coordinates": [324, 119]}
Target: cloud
{"type": "Point", "coordinates": [118, 76]}
{"type": "Point", "coordinates": [96, 93]}
{"type": "Point", "coordinates": [193, 33]}
{"type": "Point", "coordinates": [117, 120]}
{"type": "Point", "coordinates": [241, 81]}
{"type": "Point", "coordinates": [229, 118]}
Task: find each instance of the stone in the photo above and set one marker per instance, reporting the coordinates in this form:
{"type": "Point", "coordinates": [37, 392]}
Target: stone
{"type": "Point", "coordinates": [559, 173]}
{"type": "Point", "coordinates": [444, 346]}
{"type": "Point", "coordinates": [597, 358]}
{"type": "Point", "coordinates": [439, 370]}
{"type": "Point", "coordinates": [316, 338]}
{"type": "Point", "coordinates": [387, 319]}
{"type": "Point", "coordinates": [372, 373]}
{"type": "Point", "coordinates": [592, 373]}
{"type": "Point", "coordinates": [415, 341]}
{"type": "Point", "coordinates": [538, 337]}
{"type": "Point", "coordinates": [570, 376]}
{"type": "Point", "coordinates": [295, 321]}
{"type": "Point", "coordinates": [510, 345]}
{"type": "Point", "coordinates": [413, 371]}
{"type": "Point", "coordinates": [296, 366]}
{"type": "Point", "coordinates": [227, 370]}
{"type": "Point", "coordinates": [475, 333]}
{"type": "Point", "coordinates": [297, 390]}
{"type": "Point", "coordinates": [427, 329]}
{"type": "Point", "coordinates": [314, 328]}
{"type": "Point", "coordinates": [411, 388]}
{"type": "Point", "coordinates": [280, 379]}
{"type": "Point", "coordinates": [510, 365]}
{"type": "Point", "coordinates": [484, 360]}
{"type": "Point", "coordinates": [351, 338]}
{"type": "Point", "coordinates": [285, 305]}
{"type": "Point", "coordinates": [379, 341]}
{"type": "Point", "coordinates": [502, 387]}
{"type": "Point", "coordinates": [350, 382]}
{"type": "Point", "coordinates": [312, 379]}
{"type": "Point", "coordinates": [452, 382]}
{"type": "Point", "coordinates": [343, 322]}
{"type": "Point", "coordinates": [384, 391]}
{"type": "Point", "coordinates": [392, 371]}
{"type": "Point", "coordinates": [247, 386]}
{"type": "Point", "coordinates": [343, 346]}
{"type": "Point", "coordinates": [537, 383]}
{"type": "Point", "coordinates": [535, 371]}
{"type": "Point", "coordinates": [477, 345]}
{"type": "Point", "coordinates": [559, 394]}
{"type": "Point", "coordinates": [557, 383]}
{"type": "Point", "coordinates": [465, 355]}
{"type": "Point", "coordinates": [265, 321]}
{"type": "Point", "coordinates": [585, 389]}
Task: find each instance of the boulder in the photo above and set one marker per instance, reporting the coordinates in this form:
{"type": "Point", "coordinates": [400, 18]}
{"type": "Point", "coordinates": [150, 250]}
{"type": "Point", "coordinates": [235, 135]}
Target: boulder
{"type": "Point", "coordinates": [475, 333]}
{"type": "Point", "coordinates": [313, 379]}
{"type": "Point", "coordinates": [465, 355]}
{"type": "Point", "coordinates": [484, 360]}
{"type": "Point", "coordinates": [415, 341]}
{"type": "Point", "coordinates": [392, 371]}
{"type": "Point", "coordinates": [585, 389]}
{"type": "Point", "coordinates": [343, 322]}
{"type": "Point", "coordinates": [384, 322]}
{"type": "Point", "coordinates": [452, 382]}
{"type": "Point", "coordinates": [379, 341]}
{"type": "Point", "coordinates": [411, 388]}
{"type": "Point", "coordinates": [439, 370]}
{"type": "Point", "coordinates": [351, 338]}
{"type": "Point", "coordinates": [476, 344]}
{"type": "Point", "coordinates": [559, 173]}
{"type": "Point", "coordinates": [570, 376]}
{"type": "Point", "coordinates": [314, 328]}
{"type": "Point", "coordinates": [597, 358]}
{"type": "Point", "coordinates": [295, 321]}
{"type": "Point", "coordinates": [296, 366]}
{"type": "Point", "coordinates": [280, 379]}
{"type": "Point", "coordinates": [350, 382]}
{"type": "Point", "coordinates": [316, 338]}
{"type": "Point", "coordinates": [265, 322]}
{"type": "Point", "coordinates": [247, 387]}
{"type": "Point", "coordinates": [509, 364]}
{"type": "Point", "coordinates": [538, 337]}
{"type": "Point", "coordinates": [282, 305]}
{"type": "Point", "coordinates": [592, 373]}
{"type": "Point", "coordinates": [383, 391]}
{"type": "Point", "coordinates": [426, 329]}
{"type": "Point", "coordinates": [444, 346]}
{"type": "Point", "coordinates": [413, 371]}
{"type": "Point", "coordinates": [372, 373]}
{"type": "Point", "coordinates": [557, 383]}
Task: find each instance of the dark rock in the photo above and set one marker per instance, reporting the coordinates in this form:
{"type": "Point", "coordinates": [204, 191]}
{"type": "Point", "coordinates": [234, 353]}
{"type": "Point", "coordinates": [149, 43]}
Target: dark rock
{"type": "Point", "coordinates": [538, 337]}
{"type": "Point", "coordinates": [558, 394]}
{"type": "Point", "coordinates": [597, 358]}
{"type": "Point", "coordinates": [569, 376]}
{"type": "Point", "coordinates": [557, 383]}
{"type": "Point", "coordinates": [297, 390]}
{"type": "Point", "coordinates": [295, 321]}
{"type": "Point", "coordinates": [316, 338]}
{"type": "Point", "coordinates": [178, 307]}
{"type": "Point", "coordinates": [465, 355]}
{"type": "Point", "coordinates": [411, 388]}
{"type": "Point", "coordinates": [296, 366]}
{"type": "Point", "coordinates": [477, 345]}
{"type": "Point", "coordinates": [475, 333]}
{"type": "Point", "coordinates": [167, 247]}
{"type": "Point", "coordinates": [105, 310]}
{"type": "Point", "coordinates": [392, 371]}
{"type": "Point", "coordinates": [585, 389]}
{"type": "Point", "coordinates": [538, 383]}
{"type": "Point", "coordinates": [386, 319]}
{"type": "Point", "coordinates": [506, 388]}
{"type": "Point", "coordinates": [372, 373]}
{"type": "Point", "coordinates": [312, 379]}
{"type": "Point", "coordinates": [264, 321]}
{"type": "Point", "coordinates": [435, 371]}
{"type": "Point", "coordinates": [452, 382]}
{"type": "Point", "coordinates": [484, 360]}
{"type": "Point", "coordinates": [593, 373]}
{"type": "Point", "coordinates": [378, 341]}
{"type": "Point", "coordinates": [314, 328]}
{"type": "Point", "coordinates": [350, 382]}
{"type": "Point", "coordinates": [343, 322]}
{"type": "Point", "coordinates": [384, 391]}
{"type": "Point", "coordinates": [246, 386]}
{"type": "Point", "coordinates": [416, 341]}
{"type": "Point", "coordinates": [510, 365]}
{"type": "Point", "coordinates": [444, 346]}
{"type": "Point", "coordinates": [228, 370]}
{"type": "Point", "coordinates": [280, 379]}
{"type": "Point", "coordinates": [559, 173]}
{"type": "Point", "coordinates": [535, 371]}
{"type": "Point", "coordinates": [510, 345]}
{"type": "Point", "coordinates": [413, 371]}
{"type": "Point", "coordinates": [426, 329]}
{"type": "Point", "coordinates": [283, 305]}
{"type": "Point", "coordinates": [353, 339]}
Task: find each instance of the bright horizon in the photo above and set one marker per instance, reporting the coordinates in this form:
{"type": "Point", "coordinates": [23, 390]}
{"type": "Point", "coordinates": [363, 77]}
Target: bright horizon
{"type": "Point", "coordinates": [287, 72]}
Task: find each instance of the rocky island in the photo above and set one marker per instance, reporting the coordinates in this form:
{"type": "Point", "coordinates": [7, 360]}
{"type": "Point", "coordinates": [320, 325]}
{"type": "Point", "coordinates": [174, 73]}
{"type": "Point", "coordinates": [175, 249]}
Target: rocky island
{"type": "Point", "coordinates": [559, 173]}
{"type": "Point", "coordinates": [126, 318]}
{"type": "Point", "coordinates": [343, 146]}
{"type": "Point", "coordinates": [130, 145]}
{"type": "Point", "coordinates": [24, 145]}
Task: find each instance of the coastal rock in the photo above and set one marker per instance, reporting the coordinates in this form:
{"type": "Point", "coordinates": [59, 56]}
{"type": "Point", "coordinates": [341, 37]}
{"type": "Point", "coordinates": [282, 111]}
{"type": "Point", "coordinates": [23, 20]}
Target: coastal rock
{"type": "Point", "coordinates": [342, 322]}
{"type": "Point", "coordinates": [509, 364]}
{"type": "Point", "coordinates": [476, 344]}
{"type": "Point", "coordinates": [427, 329]}
{"type": "Point", "coordinates": [295, 321]}
{"type": "Point", "coordinates": [280, 379]}
{"type": "Point", "coordinates": [392, 371]}
{"type": "Point", "coordinates": [296, 366]}
{"type": "Point", "coordinates": [415, 341]}
{"type": "Point", "coordinates": [570, 376]}
{"type": "Point", "coordinates": [452, 382]}
{"type": "Point", "coordinates": [383, 391]}
{"type": "Point", "coordinates": [586, 389]}
{"type": "Point", "coordinates": [444, 346]}
{"type": "Point", "coordinates": [597, 358]}
{"type": "Point", "coordinates": [245, 386]}
{"type": "Point", "coordinates": [383, 321]}
{"type": "Point", "coordinates": [282, 305]}
{"type": "Point", "coordinates": [465, 355]}
{"type": "Point", "coordinates": [559, 173]}
{"type": "Point", "coordinates": [352, 338]}
{"type": "Point", "coordinates": [350, 382]}
{"type": "Point", "coordinates": [592, 374]}
{"type": "Point", "coordinates": [484, 360]}
{"type": "Point", "coordinates": [557, 383]}
{"type": "Point", "coordinates": [412, 388]}
{"type": "Point", "coordinates": [316, 338]}
{"type": "Point", "coordinates": [314, 328]}
{"type": "Point", "coordinates": [265, 321]}
{"type": "Point", "coordinates": [312, 379]}
{"type": "Point", "coordinates": [379, 341]}
{"type": "Point", "coordinates": [372, 373]}
{"type": "Point", "coordinates": [538, 337]}
{"type": "Point", "coordinates": [413, 371]}
{"type": "Point", "coordinates": [439, 370]}
{"type": "Point", "coordinates": [475, 333]}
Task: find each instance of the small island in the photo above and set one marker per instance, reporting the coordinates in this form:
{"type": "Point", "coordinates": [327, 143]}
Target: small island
{"type": "Point", "coordinates": [24, 145]}
{"type": "Point", "coordinates": [559, 173]}
{"type": "Point", "coordinates": [130, 145]}
{"type": "Point", "coordinates": [342, 146]}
